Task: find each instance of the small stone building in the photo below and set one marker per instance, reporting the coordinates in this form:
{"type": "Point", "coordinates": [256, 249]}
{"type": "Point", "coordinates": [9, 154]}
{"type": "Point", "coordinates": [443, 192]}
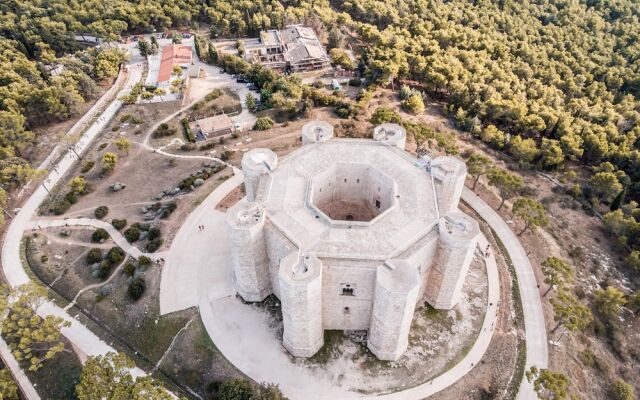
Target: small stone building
{"type": "Point", "coordinates": [215, 126]}
{"type": "Point", "coordinates": [350, 234]}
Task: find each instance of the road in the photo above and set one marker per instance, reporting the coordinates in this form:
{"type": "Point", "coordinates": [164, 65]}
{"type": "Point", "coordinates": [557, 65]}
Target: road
{"type": "Point", "coordinates": [534, 325]}
{"type": "Point", "coordinates": [85, 342]}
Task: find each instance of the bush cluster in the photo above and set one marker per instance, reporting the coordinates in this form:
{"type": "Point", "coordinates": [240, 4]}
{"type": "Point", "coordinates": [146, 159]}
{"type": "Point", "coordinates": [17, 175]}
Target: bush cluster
{"type": "Point", "coordinates": [101, 212]}
{"type": "Point", "coordinates": [132, 234]}
{"type": "Point", "coordinates": [94, 256]}
{"type": "Point", "coordinates": [99, 235]}
{"type": "Point", "coordinates": [119, 223]}
{"type": "Point", "coordinates": [164, 130]}
{"type": "Point", "coordinates": [136, 288]}
{"type": "Point", "coordinates": [263, 123]}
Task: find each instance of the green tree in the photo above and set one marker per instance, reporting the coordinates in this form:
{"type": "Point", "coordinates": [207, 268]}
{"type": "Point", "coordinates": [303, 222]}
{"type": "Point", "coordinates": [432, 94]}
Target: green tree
{"type": "Point", "coordinates": [235, 389]}
{"type": "Point", "coordinates": [31, 338]}
{"type": "Point", "coordinates": [78, 184]}
{"type": "Point", "coordinates": [605, 185]}
{"type": "Point", "coordinates": [414, 103]}
{"type": "Point", "coordinates": [109, 161]}
{"type": "Point", "coordinates": [109, 377]}
{"type": "Point", "coordinates": [547, 384]}
{"type": "Point", "coordinates": [384, 114]}
{"type": "Point", "coordinates": [570, 312]}
{"type": "Point", "coordinates": [250, 102]}
{"type": "Point", "coordinates": [144, 47]}
{"type": "Point", "coordinates": [262, 124]}
{"type": "Point", "coordinates": [477, 165]}
{"type": "Point", "coordinates": [530, 212]}
{"type": "Point", "coordinates": [8, 387]}
{"type": "Point", "coordinates": [268, 392]}
{"type": "Point", "coordinates": [621, 390]}
{"type": "Point", "coordinates": [557, 272]}
{"type": "Point", "coordinates": [492, 135]}
{"type": "Point", "coordinates": [340, 57]}
{"type": "Point", "coordinates": [123, 145]}
{"type": "Point", "coordinates": [507, 183]}
{"type": "Point", "coordinates": [523, 150]}
{"type": "Point", "coordinates": [609, 301]}
{"type": "Point", "coordinates": [551, 154]}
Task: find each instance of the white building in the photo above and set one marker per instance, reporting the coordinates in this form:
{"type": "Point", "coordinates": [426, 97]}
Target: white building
{"type": "Point", "coordinates": [350, 234]}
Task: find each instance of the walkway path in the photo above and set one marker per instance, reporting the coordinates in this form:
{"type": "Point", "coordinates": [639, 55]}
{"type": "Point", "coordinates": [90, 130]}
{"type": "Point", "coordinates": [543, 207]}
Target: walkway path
{"type": "Point", "coordinates": [190, 264]}
{"type": "Point", "coordinates": [201, 259]}
{"type": "Point", "coordinates": [534, 325]}
{"type": "Point", "coordinates": [115, 234]}
{"type": "Point", "coordinates": [85, 342]}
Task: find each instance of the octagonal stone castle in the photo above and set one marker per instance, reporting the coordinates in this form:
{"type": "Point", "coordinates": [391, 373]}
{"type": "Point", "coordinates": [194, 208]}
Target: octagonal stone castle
{"type": "Point", "coordinates": [351, 234]}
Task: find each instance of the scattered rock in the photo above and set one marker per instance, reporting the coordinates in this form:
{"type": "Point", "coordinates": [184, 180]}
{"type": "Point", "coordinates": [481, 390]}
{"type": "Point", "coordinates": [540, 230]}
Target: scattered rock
{"type": "Point", "coordinates": [159, 196]}
{"type": "Point", "coordinates": [116, 187]}
{"type": "Point", "coordinates": [65, 232]}
{"type": "Point", "coordinates": [174, 191]}
{"type": "Point", "coordinates": [144, 234]}
{"type": "Point", "coordinates": [144, 209]}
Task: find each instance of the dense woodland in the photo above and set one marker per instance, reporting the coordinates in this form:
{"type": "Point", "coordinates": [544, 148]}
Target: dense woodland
{"type": "Point", "coordinates": [551, 82]}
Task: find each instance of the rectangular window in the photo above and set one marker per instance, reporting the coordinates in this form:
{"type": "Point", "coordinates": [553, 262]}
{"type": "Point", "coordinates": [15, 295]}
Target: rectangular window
{"type": "Point", "coordinates": [347, 289]}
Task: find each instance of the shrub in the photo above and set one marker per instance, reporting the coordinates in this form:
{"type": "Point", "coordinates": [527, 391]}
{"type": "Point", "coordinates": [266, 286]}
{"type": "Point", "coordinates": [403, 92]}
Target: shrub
{"type": "Point", "coordinates": [44, 258]}
{"type": "Point", "coordinates": [99, 235]}
{"type": "Point", "coordinates": [104, 270]}
{"type": "Point", "coordinates": [621, 390]}
{"type": "Point", "coordinates": [129, 269]}
{"type": "Point", "coordinates": [94, 256]}
{"type": "Point", "coordinates": [168, 209]}
{"type": "Point", "coordinates": [235, 389]}
{"type": "Point", "coordinates": [384, 114]}
{"type": "Point", "coordinates": [115, 255]}
{"type": "Point", "coordinates": [188, 133]}
{"type": "Point", "coordinates": [154, 245]}
{"type": "Point", "coordinates": [61, 207]}
{"type": "Point", "coordinates": [154, 232]}
{"type": "Point", "coordinates": [136, 288]}
{"type": "Point", "coordinates": [132, 234]}
{"type": "Point", "coordinates": [86, 167]}
{"type": "Point", "coordinates": [125, 118]}
{"type": "Point", "coordinates": [115, 128]}
{"type": "Point", "coordinates": [119, 223]}
{"type": "Point", "coordinates": [71, 197]}
{"type": "Point", "coordinates": [144, 261]}
{"type": "Point", "coordinates": [226, 155]}
{"type": "Point", "coordinates": [163, 131]}
{"type": "Point", "coordinates": [263, 123]}
{"type": "Point", "coordinates": [101, 212]}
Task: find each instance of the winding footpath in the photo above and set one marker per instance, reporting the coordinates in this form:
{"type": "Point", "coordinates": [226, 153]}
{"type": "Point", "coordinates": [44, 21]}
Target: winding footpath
{"type": "Point", "coordinates": [85, 342]}
{"type": "Point", "coordinates": [534, 325]}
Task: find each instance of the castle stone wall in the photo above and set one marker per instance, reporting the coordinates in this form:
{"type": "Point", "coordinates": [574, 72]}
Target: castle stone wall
{"type": "Point", "coordinates": [342, 309]}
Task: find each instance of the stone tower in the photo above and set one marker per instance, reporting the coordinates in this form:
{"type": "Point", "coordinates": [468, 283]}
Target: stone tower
{"type": "Point", "coordinates": [450, 173]}
{"type": "Point", "coordinates": [245, 224]}
{"type": "Point", "coordinates": [301, 297]}
{"type": "Point", "coordinates": [458, 239]}
{"type": "Point", "coordinates": [391, 134]}
{"type": "Point", "coordinates": [396, 295]}
{"type": "Point", "coordinates": [316, 131]}
{"type": "Point", "coordinates": [255, 164]}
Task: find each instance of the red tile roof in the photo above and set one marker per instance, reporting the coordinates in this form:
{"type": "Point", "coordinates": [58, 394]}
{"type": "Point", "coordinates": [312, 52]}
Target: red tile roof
{"type": "Point", "coordinates": [173, 55]}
